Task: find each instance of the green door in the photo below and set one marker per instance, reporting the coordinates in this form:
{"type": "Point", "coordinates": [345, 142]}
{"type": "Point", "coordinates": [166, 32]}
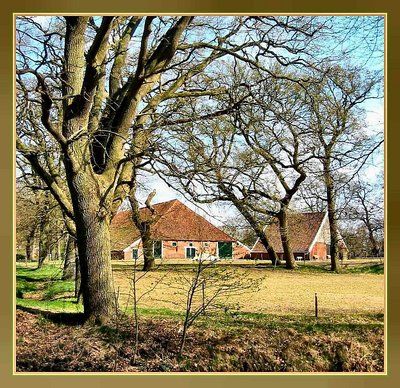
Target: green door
{"type": "Point", "coordinates": [157, 249]}
{"type": "Point", "coordinates": [225, 250]}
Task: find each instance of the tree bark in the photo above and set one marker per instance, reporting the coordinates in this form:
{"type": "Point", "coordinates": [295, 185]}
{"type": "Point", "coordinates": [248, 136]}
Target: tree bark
{"type": "Point", "coordinates": [331, 201]}
{"type": "Point", "coordinates": [43, 239]}
{"type": "Point", "coordinates": [147, 242]}
{"type": "Point", "coordinates": [283, 229]}
{"type": "Point", "coordinates": [271, 251]}
{"type": "Point", "coordinates": [93, 240]}
{"type": "Point", "coordinates": [29, 245]}
{"type": "Point", "coordinates": [374, 244]}
{"type": "Point", "coordinates": [143, 226]}
{"type": "Point", "coordinates": [95, 268]}
{"type": "Point", "coordinates": [78, 290]}
{"type": "Point", "coordinates": [69, 260]}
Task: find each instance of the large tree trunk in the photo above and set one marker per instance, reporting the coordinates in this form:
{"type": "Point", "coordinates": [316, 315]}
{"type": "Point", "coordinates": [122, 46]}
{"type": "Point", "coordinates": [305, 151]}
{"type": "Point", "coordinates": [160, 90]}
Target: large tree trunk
{"type": "Point", "coordinates": [331, 200]}
{"type": "Point", "coordinates": [78, 290]}
{"type": "Point", "coordinates": [143, 225]}
{"type": "Point", "coordinates": [283, 229]}
{"type": "Point", "coordinates": [148, 256]}
{"type": "Point", "coordinates": [334, 240]}
{"type": "Point", "coordinates": [92, 219]}
{"type": "Point", "coordinates": [95, 265]}
{"type": "Point", "coordinates": [270, 250]}
{"type": "Point", "coordinates": [255, 225]}
{"type": "Point", "coordinates": [93, 239]}
{"type": "Point", "coordinates": [29, 245]}
{"type": "Point", "coordinates": [374, 244]}
{"type": "Point", "coordinates": [69, 260]}
{"type": "Point", "coordinates": [43, 240]}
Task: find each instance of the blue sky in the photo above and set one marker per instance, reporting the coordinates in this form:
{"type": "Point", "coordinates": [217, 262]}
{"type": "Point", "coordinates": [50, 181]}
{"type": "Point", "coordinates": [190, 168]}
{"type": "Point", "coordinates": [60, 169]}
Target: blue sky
{"type": "Point", "coordinates": [374, 117]}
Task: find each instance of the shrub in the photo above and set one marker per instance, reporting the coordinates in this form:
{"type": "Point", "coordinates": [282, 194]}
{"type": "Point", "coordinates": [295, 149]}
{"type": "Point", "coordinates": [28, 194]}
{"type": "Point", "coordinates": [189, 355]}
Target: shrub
{"type": "Point", "coordinates": [20, 257]}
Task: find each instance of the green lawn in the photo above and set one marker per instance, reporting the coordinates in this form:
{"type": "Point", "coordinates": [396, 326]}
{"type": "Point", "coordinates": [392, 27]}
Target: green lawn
{"type": "Point", "coordinates": [43, 289]}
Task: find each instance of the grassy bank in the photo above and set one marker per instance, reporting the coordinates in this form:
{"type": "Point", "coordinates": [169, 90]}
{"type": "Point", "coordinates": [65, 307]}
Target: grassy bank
{"type": "Point", "coordinates": [256, 343]}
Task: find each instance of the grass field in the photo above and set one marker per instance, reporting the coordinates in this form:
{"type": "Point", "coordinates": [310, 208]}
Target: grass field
{"type": "Point", "coordinates": [281, 292]}
{"type": "Point", "coordinates": [355, 291]}
{"type": "Point", "coordinates": [271, 329]}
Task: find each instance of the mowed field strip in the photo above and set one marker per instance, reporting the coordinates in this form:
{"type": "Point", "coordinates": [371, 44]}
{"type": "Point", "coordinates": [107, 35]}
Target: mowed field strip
{"type": "Point", "coordinates": [281, 292]}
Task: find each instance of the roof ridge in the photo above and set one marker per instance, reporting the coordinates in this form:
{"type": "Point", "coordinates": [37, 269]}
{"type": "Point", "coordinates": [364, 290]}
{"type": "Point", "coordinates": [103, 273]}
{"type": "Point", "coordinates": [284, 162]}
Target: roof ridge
{"type": "Point", "coordinates": [306, 212]}
{"type": "Point", "coordinates": [172, 203]}
{"type": "Point", "coordinates": [161, 203]}
{"type": "Point", "coordinates": [196, 214]}
{"type": "Point", "coordinates": [205, 219]}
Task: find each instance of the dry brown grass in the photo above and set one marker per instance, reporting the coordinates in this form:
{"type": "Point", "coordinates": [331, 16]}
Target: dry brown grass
{"type": "Point", "coordinates": [43, 345]}
{"type": "Point", "coordinates": [281, 292]}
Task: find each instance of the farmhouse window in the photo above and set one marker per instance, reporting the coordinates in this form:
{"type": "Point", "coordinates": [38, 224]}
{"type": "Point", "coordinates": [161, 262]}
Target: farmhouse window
{"type": "Point", "coordinates": [190, 252]}
{"type": "Point", "coordinates": [174, 243]}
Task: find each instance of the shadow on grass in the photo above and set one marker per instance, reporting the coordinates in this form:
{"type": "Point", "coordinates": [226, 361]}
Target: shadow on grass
{"type": "Point", "coordinates": [377, 269]}
{"type": "Point", "coordinates": [71, 319]}
{"type": "Point", "coordinates": [319, 267]}
{"type": "Point", "coordinates": [28, 278]}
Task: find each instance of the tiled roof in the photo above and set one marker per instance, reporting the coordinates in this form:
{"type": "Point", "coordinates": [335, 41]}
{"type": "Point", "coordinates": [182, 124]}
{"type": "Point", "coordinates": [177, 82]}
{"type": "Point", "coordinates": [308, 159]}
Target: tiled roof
{"type": "Point", "coordinates": [122, 231]}
{"type": "Point", "coordinates": [174, 221]}
{"type": "Point", "coordinates": [302, 228]}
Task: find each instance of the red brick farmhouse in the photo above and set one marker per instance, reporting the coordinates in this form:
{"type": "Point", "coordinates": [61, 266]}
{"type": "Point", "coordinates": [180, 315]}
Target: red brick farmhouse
{"type": "Point", "coordinates": [177, 233]}
{"type": "Point", "coordinates": [309, 236]}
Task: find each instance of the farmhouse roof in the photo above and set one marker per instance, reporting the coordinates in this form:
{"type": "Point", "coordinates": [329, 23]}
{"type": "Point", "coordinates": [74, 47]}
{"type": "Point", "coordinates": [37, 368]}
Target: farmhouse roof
{"type": "Point", "coordinates": [174, 221]}
{"type": "Point", "coordinates": [302, 230]}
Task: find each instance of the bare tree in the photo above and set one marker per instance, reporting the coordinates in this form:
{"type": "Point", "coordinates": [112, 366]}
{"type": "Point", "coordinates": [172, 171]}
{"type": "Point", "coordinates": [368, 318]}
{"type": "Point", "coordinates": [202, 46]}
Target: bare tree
{"type": "Point", "coordinates": [26, 221]}
{"type": "Point", "coordinates": [341, 140]}
{"type": "Point", "coordinates": [87, 85]}
{"type": "Point", "coordinates": [69, 271]}
{"type": "Point", "coordinates": [254, 158]}
{"type": "Point", "coordinates": [208, 288]}
{"type": "Point", "coordinates": [43, 218]}
{"type": "Point", "coordinates": [366, 211]}
{"type": "Point", "coordinates": [143, 221]}
{"type": "Point", "coordinates": [38, 217]}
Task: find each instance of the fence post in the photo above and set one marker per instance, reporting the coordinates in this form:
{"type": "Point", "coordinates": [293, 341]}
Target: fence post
{"type": "Point", "coordinates": [316, 305]}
